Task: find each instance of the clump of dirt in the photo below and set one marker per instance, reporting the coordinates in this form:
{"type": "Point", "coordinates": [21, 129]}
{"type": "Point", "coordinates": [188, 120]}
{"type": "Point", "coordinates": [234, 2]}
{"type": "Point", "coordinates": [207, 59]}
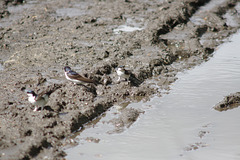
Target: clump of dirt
{"type": "Point", "coordinates": [229, 102]}
{"type": "Point", "coordinates": [126, 118]}
{"type": "Point", "coordinates": [43, 37]}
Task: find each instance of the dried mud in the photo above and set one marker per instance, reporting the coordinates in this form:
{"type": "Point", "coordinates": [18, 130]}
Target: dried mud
{"type": "Point", "coordinates": [38, 38]}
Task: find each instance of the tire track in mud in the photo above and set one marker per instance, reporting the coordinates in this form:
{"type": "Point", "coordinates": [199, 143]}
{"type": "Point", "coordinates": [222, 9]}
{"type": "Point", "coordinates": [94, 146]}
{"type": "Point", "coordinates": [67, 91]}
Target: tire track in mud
{"type": "Point", "coordinates": [149, 53]}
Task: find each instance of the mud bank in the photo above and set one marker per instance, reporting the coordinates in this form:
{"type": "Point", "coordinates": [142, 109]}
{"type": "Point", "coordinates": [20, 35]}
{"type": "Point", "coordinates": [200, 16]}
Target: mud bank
{"type": "Point", "coordinates": [37, 39]}
{"type": "Point", "coordinates": [229, 102]}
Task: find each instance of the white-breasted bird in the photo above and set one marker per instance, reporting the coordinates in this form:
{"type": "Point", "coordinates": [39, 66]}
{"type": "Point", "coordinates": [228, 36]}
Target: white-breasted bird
{"type": "Point", "coordinates": [75, 77]}
{"type": "Point", "coordinates": [123, 73]}
{"type": "Point", "coordinates": [38, 100]}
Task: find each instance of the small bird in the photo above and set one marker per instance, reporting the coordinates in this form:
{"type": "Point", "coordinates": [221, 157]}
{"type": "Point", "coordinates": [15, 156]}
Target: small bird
{"type": "Point", "coordinates": [75, 77]}
{"type": "Point", "coordinates": [38, 100]}
{"type": "Point", "coordinates": [123, 73]}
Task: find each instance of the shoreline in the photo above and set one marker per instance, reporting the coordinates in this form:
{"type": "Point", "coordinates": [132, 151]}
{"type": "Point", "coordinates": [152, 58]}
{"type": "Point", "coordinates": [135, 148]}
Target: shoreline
{"type": "Point", "coordinates": [47, 36]}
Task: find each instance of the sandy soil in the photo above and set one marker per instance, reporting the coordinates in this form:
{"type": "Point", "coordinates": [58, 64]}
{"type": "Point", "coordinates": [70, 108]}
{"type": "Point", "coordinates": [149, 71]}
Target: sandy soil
{"type": "Point", "coordinates": [38, 38]}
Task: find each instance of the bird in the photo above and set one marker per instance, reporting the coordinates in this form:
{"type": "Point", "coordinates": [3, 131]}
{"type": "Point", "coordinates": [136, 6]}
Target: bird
{"type": "Point", "coordinates": [75, 77]}
{"type": "Point", "coordinates": [38, 100]}
{"type": "Point", "coordinates": [123, 73]}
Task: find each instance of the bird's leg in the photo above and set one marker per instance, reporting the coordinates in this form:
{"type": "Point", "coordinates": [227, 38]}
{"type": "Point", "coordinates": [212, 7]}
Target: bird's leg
{"type": "Point", "coordinates": [35, 109]}
{"type": "Point", "coordinates": [128, 79]}
{"type": "Point", "coordinates": [119, 78]}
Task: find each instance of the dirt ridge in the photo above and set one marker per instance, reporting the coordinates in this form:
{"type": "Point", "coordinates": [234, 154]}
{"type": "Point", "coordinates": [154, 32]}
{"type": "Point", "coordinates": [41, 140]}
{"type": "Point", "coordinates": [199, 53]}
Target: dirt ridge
{"type": "Point", "coordinates": [37, 46]}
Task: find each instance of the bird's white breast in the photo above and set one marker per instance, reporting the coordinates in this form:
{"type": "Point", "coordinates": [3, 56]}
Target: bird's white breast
{"type": "Point", "coordinates": [73, 80]}
{"type": "Point", "coordinates": [31, 99]}
{"type": "Point", "coordinates": [67, 76]}
{"type": "Point", "coordinates": [120, 73]}
{"type": "Point", "coordinates": [40, 102]}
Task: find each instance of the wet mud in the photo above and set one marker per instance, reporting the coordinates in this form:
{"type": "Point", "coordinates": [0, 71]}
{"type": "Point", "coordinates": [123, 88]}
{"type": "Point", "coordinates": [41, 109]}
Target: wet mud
{"type": "Point", "coordinates": [39, 38]}
{"type": "Point", "coordinates": [229, 102]}
{"type": "Point", "coordinates": [125, 119]}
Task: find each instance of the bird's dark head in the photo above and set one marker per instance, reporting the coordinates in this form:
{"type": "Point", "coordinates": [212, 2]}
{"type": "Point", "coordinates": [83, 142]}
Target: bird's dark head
{"type": "Point", "coordinates": [67, 69]}
{"type": "Point", "coordinates": [121, 68]}
{"type": "Point", "coordinates": [31, 93]}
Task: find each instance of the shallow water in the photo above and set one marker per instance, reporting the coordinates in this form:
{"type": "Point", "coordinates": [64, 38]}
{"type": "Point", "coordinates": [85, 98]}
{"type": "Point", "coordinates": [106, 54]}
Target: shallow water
{"type": "Point", "coordinates": [132, 24]}
{"type": "Point", "coordinates": [180, 125]}
{"type": "Point", "coordinates": [71, 12]}
{"type": "Point", "coordinates": [125, 28]}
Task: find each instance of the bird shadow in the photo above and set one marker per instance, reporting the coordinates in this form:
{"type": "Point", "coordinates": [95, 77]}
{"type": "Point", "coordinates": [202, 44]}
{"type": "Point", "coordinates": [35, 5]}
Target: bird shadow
{"type": "Point", "coordinates": [48, 108]}
{"type": "Point", "coordinates": [134, 81]}
{"type": "Point", "coordinates": [91, 89]}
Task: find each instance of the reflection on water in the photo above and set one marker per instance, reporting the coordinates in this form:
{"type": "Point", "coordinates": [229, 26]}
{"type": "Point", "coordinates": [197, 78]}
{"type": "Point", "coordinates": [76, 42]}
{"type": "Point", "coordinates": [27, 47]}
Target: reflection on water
{"type": "Point", "coordinates": [132, 24]}
{"type": "Point", "coordinates": [182, 124]}
{"type": "Point", "coordinates": [125, 28]}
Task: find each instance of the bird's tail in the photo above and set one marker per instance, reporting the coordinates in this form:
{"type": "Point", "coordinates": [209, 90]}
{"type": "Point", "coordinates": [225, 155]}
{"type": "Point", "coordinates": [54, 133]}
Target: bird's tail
{"type": "Point", "coordinates": [86, 80]}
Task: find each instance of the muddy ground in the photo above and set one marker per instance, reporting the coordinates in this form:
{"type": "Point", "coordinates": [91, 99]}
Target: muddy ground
{"type": "Point", "coordinates": [38, 38]}
{"type": "Point", "coordinates": [229, 102]}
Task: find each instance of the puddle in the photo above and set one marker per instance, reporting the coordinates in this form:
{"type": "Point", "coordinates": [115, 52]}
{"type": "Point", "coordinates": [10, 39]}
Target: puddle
{"type": "Point", "coordinates": [16, 13]}
{"type": "Point", "coordinates": [77, 9]}
{"type": "Point", "coordinates": [125, 28]}
{"type": "Point", "coordinates": [206, 8]}
{"type": "Point", "coordinates": [21, 7]}
{"type": "Point", "coordinates": [132, 24]}
{"type": "Point", "coordinates": [179, 125]}
{"type": "Point", "coordinates": [70, 12]}
{"type": "Point", "coordinates": [231, 20]}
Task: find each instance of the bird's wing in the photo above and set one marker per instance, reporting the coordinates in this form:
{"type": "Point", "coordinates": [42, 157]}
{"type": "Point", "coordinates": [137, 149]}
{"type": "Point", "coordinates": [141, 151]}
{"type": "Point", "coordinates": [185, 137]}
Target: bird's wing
{"type": "Point", "coordinates": [39, 96]}
{"type": "Point", "coordinates": [43, 93]}
{"type": "Point", "coordinates": [127, 72]}
{"type": "Point", "coordinates": [74, 75]}
{"type": "Point", "coordinates": [48, 92]}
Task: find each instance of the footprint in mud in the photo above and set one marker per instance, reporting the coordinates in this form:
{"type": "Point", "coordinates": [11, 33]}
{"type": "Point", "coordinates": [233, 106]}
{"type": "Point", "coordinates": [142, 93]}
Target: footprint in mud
{"type": "Point", "coordinates": [201, 134]}
{"type": "Point", "coordinates": [195, 146]}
